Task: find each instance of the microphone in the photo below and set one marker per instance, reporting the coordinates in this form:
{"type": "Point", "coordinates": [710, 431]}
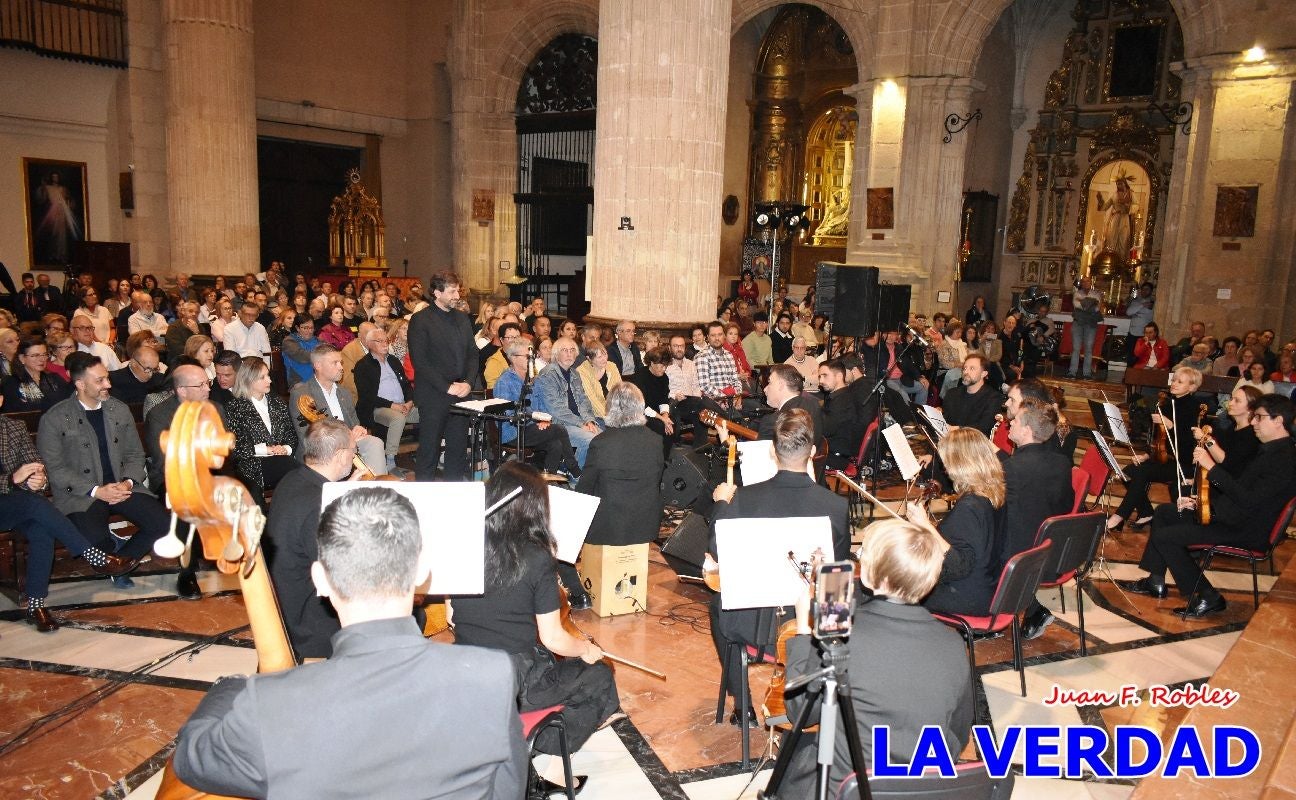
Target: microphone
{"type": "Point", "coordinates": [916, 335]}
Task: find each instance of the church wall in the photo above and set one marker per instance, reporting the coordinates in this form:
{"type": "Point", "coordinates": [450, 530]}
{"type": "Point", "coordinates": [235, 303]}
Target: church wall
{"type": "Point", "coordinates": [990, 149]}
{"type": "Point", "coordinates": [59, 110]}
{"type": "Point", "coordinates": [744, 48]}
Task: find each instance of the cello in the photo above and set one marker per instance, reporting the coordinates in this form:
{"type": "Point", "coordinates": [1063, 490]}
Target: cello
{"type": "Point", "coordinates": [229, 525]}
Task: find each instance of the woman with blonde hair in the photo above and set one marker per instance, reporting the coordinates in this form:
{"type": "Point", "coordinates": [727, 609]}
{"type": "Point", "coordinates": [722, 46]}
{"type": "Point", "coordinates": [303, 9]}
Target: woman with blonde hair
{"type": "Point", "coordinates": [970, 571]}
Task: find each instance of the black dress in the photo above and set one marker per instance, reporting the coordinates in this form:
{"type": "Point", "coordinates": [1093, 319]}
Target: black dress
{"type": "Point", "coordinates": [504, 618]}
{"type": "Point", "coordinates": [970, 573]}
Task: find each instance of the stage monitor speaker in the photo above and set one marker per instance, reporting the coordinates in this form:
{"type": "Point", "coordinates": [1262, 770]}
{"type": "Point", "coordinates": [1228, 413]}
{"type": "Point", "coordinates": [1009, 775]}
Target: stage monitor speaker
{"type": "Point", "coordinates": [893, 305]}
{"type": "Point", "coordinates": [686, 477]}
{"type": "Point", "coordinates": [685, 549]}
{"type": "Point", "coordinates": [856, 301]}
{"type": "Point", "coordinates": [826, 287]}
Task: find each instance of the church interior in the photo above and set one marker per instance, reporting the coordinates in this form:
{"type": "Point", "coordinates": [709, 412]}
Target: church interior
{"type": "Point", "coordinates": [631, 160]}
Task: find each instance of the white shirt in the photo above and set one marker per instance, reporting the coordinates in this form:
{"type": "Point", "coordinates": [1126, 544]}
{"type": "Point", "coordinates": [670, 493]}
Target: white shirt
{"type": "Point", "coordinates": [153, 322]}
{"type": "Point", "coordinates": [331, 398]}
{"type": "Point", "coordinates": [246, 341]}
{"type": "Point", "coordinates": [104, 352]}
{"type": "Point", "coordinates": [262, 406]}
{"type": "Point", "coordinates": [102, 319]}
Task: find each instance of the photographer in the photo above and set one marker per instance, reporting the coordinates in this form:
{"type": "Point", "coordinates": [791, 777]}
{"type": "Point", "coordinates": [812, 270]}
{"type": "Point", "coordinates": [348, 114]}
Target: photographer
{"type": "Point", "coordinates": [907, 670]}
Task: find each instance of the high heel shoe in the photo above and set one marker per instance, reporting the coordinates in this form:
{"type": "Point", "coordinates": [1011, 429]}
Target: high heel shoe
{"type": "Point", "coordinates": [1114, 522]}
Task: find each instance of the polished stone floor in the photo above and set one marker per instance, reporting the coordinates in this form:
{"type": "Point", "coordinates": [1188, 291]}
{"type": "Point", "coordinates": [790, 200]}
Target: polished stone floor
{"type": "Point", "coordinates": [92, 710]}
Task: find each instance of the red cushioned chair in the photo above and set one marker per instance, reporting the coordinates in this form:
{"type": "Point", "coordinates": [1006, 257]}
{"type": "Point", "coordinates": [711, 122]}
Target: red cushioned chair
{"type": "Point", "coordinates": [1075, 539]}
{"type": "Point", "coordinates": [1079, 485]}
{"type": "Point", "coordinates": [1015, 593]}
{"type": "Point", "coordinates": [1097, 470]}
{"type": "Point", "coordinates": [1252, 557]}
{"type": "Point", "coordinates": [533, 722]}
{"type": "Point", "coordinates": [1001, 439]}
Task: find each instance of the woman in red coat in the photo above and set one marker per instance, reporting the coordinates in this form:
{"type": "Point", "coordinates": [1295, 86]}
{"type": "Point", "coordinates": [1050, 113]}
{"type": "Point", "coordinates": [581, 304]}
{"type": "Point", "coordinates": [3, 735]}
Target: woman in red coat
{"type": "Point", "coordinates": [1151, 352]}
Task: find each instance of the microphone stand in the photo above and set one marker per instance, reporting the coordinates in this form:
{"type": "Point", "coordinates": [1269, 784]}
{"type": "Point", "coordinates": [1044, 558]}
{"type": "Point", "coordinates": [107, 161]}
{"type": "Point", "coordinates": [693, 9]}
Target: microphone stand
{"type": "Point", "coordinates": [879, 389]}
{"type": "Point", "coordinates": [520, 413]}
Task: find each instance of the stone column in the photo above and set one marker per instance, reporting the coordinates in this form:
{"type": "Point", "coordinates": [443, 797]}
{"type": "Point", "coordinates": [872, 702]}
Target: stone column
{"type": "Point", "coordinates": [211, 136]}
{"type": "Point", "coordinates": [663, 78]}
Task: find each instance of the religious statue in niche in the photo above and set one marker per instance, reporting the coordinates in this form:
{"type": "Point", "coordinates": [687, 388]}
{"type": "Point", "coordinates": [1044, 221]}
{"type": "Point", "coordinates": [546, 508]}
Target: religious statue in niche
{"type": "Point", "coordinates": [836, 216]}
{"type": "Point", "coordinates": [1118, 199]}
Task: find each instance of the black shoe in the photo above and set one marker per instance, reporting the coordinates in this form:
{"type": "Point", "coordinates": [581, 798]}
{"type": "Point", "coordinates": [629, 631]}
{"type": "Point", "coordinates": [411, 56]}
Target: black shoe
{"type": "Point", "coordinates": [187, 587]}
{"type": "Point", "coordinates": [1141, 523]}
{"type": "Point", "coordinates": [1035, 624]}
{"type": "Point", "coordinates": [751, 718]}
{"type": "Point", "coordinates": [580, 602]}
{"type": "Point", "coordinates": [122, 582]}
{"type": "Point", "coordinates": [1202, 608]}
{"type": "Point", "coordinates": [1146, 587]}
{"type": "Point", "coordinates": [42, 619]}
{"type": "Point", "coordinates": [548, 787]}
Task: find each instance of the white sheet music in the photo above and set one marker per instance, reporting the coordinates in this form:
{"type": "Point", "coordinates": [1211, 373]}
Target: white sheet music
{"type": "Point", "coordinates": [758, 462]}
{"type": "Point", "coordinates": [1119, 431]}
{"type": "Point", "coordinates": [937, 420]}
{"type": "Point", "coordinates": [1108, 456]}
{"type": "Point", "coordinates": [903, 453]}
{"type": "Point", "coordinates": [482, 405]}
{"type": "Point", "coordinates": [754, 567]}
{"type": "Point", "coordinates": [453, 527]}
{"type": "Point", "coordinates": [570, 515]}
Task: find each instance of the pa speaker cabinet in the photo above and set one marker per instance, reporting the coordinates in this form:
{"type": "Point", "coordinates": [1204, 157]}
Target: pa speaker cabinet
{"type": "Point", "coordinates": [685, 477]}
{"type": "Point", "coordinates": [893, 305]}
{"type": "Point", "coordinates": [685, 549]}
{"type": "Point", "coordinates": [855, 306]}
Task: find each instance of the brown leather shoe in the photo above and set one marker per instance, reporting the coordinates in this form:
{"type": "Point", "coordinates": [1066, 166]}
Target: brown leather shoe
{"type": "Point", "coordinates": [42, 619]}
{"type": "Point", "coordinates": [116, 565]}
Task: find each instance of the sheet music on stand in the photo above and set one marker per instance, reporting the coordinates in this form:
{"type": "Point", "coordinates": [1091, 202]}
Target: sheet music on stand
{"type": "Point", "coordinates": [936, 419]}
{"type": "Point", "coordinates": [906, 461]}
{"type": "Point", "coordinates": [1108, 456]}
{"type": "Point", "coordinates": [482, 406]}
{"type": "Point", "coordinates": [1107, 418]}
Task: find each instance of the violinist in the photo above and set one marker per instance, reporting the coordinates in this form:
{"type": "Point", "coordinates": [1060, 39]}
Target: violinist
{"type": "Point", "coordinates": [1173, 420]}
{"type": "Point", "coordinates": [1244, 510]}
{"type": "Point", "coordinates": [520, 613]}
{"type": "Point", "coordinates": [970, 571]}
{"type": "Point", "coordinates": [790, 493]}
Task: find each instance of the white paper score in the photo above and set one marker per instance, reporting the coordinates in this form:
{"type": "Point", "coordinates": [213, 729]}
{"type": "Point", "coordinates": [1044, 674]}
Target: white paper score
{"type": "Point", "coordinates": [903, 453]}
{"type": "Point", "coordinates": [754, 567]}
{"type": "Point", "coordinates": [758, 462]}
{"type": "Point", "coordinates": [570, 515]}
{"type": "Point", "coordinates": [453, 527]}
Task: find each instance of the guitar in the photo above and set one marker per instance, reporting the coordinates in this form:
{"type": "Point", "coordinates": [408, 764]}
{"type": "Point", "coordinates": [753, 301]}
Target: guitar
{"type": "Point", "coordinates": [710, 569]}
{"type": "Point", "coordinates": [306, 405]}
{"type": "Point", "coordinates": [711, 418]}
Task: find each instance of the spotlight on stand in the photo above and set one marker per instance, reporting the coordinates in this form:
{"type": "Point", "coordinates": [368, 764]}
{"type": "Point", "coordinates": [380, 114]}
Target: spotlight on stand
{"type": "Point", "coordinates": [796, 219]}
{"type": "Point", "coordinates": [766, 217]}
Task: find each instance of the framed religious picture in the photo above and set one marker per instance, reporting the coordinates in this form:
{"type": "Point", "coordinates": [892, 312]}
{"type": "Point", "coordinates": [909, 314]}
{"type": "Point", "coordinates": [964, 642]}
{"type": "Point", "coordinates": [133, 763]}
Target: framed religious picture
{"type": "Point", "coordinates": [1235, 211]}
{"type": "Point", "coordinates": [880, 208]}
{"type": "Point", "coordinates": [757, 257]}
{"type": "Point", "coordinates": [56, 204]}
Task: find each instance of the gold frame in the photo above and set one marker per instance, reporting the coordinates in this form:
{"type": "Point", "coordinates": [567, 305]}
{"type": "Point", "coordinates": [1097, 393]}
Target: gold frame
{"type": "Point", "coordinates": [29, 209]}
{"type": "Point", "coordinates": [1112, 30]}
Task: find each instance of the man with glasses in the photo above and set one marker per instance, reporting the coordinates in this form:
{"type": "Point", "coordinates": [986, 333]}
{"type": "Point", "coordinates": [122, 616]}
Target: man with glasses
{"type": "Point", "coordinates": [95, 462]}
{"type": "Point", "coordinates": [558, 391]}
{"type": "Point", "coordinates": [383, 394]}
{"type": "Point", "coordinates": [497, 364]}
{"type": "Point", "coordinates": [140, 377]}
{"type": "Point", "coordinates": [246, 336]}
{"type": "Point", "coordinates": [190, 385]}
{"type": "Point", "coordinates": [1244, 510]}
{"type": "Point", "coordinates": [83, 333]}
{"type": "Point", "coordinates": [623, 352]}
{"type": "Point", "coordinates": [550, 441]}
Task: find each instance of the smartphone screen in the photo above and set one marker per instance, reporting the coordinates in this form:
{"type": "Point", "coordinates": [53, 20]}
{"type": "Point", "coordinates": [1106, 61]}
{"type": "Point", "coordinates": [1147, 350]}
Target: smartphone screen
{"type": "Point", "coordinates": [834, 596]}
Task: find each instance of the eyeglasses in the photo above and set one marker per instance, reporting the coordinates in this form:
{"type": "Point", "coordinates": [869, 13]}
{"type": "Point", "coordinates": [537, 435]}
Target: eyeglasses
{"type": "Point", "coordinates": [35, 355]}
{"type": "Point", "coordinates": [144, 368]}
{"type": "Point", "coordinates": [1257, 415]}
{"type": "Point", "coordinates": [195, 386]}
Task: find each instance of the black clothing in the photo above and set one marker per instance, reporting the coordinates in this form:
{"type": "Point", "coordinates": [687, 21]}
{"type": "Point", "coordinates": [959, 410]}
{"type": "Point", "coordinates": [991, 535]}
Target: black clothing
{"type": "Point", "coordinates": [368, 377]}
{"type": "Point", "coordinates": [623, 469]}
{"type": "Point", "coordinates": [1239, 446]}
{"type": "Point", "coordinates": [843, 426]}
{"type": "Point", "coordinates": [1038, 486]}
{"type": "Point", "coordinates": [780, 345]}
{"type": "Point", "coordinates": [442, 352]}
{"type": "Point", "coordinates": [1184, 410]}
{"type": "Point", "coordinates": [803, 401]}
{"type": "Point", "coordinates": [23, 394]}
{"type": "Point", "coordinates": [972, 410]}
{"type": "Point", "coordinates": [656, 389]}
{"type": "Point", "coordinates": [636, 356]}
{"type": "Point", "coordinates": [970, 573]}
{"type": "Point", "coordinates": [292, 548]}
{"type": "Point", "coordinates": [130, 389]}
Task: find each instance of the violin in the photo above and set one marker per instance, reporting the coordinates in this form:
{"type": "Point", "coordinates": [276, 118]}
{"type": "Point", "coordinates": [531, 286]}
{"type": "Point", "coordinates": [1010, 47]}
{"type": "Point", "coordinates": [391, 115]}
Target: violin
{"type": "Point", "coordinates": [775, 704]}
{"type": "Point", "coordinates": [711, 418]}
{"type": "Point", "coordinates": [1161, 433]}
{"type": "Point", "coordinates": [306, 405]}
{"type": "Point", "coordinates": [1203, 484]}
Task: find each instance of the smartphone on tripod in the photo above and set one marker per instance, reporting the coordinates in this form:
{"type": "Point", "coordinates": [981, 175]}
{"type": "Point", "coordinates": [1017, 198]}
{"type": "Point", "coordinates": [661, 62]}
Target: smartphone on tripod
{"type": "Point", "coordinates": [834, 600]}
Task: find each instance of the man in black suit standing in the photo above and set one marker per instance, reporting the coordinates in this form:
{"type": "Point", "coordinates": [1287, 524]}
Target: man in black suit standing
{"type": "Point", "coordinates": [790, 493]}
{"type": "Point", "coordinates": [344, 726]}
{"type": "Point", "coordinates": [1038, 486]}
{"type": "Point", "coordinates": [444, 356]}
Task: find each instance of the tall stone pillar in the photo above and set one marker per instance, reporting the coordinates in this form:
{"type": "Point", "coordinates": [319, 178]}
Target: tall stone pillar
{"type": "Point", "coordinates": [211, 136]}
{"type": "Point", "coordinates": [663, 78]}
{"type": "Point", "coordinates": [906, 152]}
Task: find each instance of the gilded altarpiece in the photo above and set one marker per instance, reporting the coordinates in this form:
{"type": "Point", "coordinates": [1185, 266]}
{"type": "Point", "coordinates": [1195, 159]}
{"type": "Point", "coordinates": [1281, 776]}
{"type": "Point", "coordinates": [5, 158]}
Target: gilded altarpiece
{"type": "Point", "coordinates": [1090, 195]}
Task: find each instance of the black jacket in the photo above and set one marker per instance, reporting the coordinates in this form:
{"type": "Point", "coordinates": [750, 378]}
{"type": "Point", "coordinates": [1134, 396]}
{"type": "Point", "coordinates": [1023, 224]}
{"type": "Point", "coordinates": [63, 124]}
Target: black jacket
{"type": "Point", "coordinates": [843, 425]}
{"type": "Point", "coordinates": [802, 401]}
{"type": "Point", "coordinates": [1038, 478]}
{"type": "Point", "coordinates": [970, 573]}
{"type": "Point", "coordinates": [368, 376]}
{"type": "Point", "coordinates": [972, 410]}
{"type": "Point", "coordinates": [614, 356]}
{"type": "Point", "coordinates": [788, 494]}
{"type": "Point", "coordinates": [623, 469]}
{"type": "Point", "coordinates": [291, 550]}
{"type": "Point", "coordinates": [1253, 501]}
{"type": "Point", "coordinates": [442, 351]}
{"type": "Point", "coordinates": [250, 430]}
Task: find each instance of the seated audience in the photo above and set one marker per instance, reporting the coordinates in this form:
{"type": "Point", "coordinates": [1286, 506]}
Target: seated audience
{"type": "Point", "coordinates": [1228, 358]}
{"type": "Point", "coordinates": [333, 400]}
{"type": "Point", "coordinates": [973, 402]}
{"type": "Point", "coordinates": [384, 395]}
{"type": "Point", "coordinates": [717, 367]}
{"type": "Point", "coordinates": [31, 386]}
{"type": "Point", "coordinates": [598, 377]}
{"type": "Point", "coordinates": [144, 318]}
{"type": "Point", "coordinates": [652, 382]}
{"type": "Point", "coordinates": [558, 391]}
{"type": "Point", "coordinates": [99, 315]}
{"type": "Point", "coordinates": [185, 325]}
{"type": "Point", "coordinates": [1151, 351]}
{"type": "Point", "coordinates": [496, 364]}
{"type": "Point", "coordinates": [624, 353]}
{"type": "Point", "coordinates": [1198, 358]}
{"type": "Point", "coordinates": [1286, 372]}
{"type": "Point", "coordinates": [757, 345]}
{"type": "Point", "coordinates": [226, 367]}
{"type": "Point", "coordinates": [370, 560]}
{"type": "Point", "coordinates": [804, 364]}
{"type": "Point", "coordinates": [781, 339]}
{"type": "Point", "coordinates": [1255, 375]}
{"type": "Point", "coordinates": [60, 345]}
{"type": "Point", "coordinates": [913, 672]}
{"type": "Point", "coordinates": [202, 351]}
{"type": "Point", "coordinates": [970, 572]}
{"type": "Point", "coordinates": [141, 375]}
{"type": "Point", "coordinates": [246, 336]}
{"type": "Point", "coordinates": [83, 333]}
{"type": "Point", "coordinates": [264, 435]}
{"type": "Point", "coordinates": [224, 316]}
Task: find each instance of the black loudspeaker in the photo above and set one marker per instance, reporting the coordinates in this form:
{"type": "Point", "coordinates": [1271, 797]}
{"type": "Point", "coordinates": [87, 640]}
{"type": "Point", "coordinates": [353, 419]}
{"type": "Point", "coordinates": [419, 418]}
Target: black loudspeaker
{"type": "Point", "coordinates": [826, 287]}
{"type": "Point", "coordinates": [856, 304]}
{"type": "Point", "coordinates": [685, 549]}
{"type": "Point", "coordinates": [893, 305]}
{"type": "Point", "coordinates": [686, 477]}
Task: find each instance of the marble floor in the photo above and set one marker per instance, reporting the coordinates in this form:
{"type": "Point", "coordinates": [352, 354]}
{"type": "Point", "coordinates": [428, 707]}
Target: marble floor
{"type": "Point", "coordinates": [92, 710]}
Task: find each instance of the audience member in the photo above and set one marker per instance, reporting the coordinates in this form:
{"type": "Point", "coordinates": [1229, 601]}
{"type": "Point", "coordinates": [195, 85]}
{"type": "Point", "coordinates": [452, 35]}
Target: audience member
{"type": "Point", "coordinates": [297, 348]}
{"type": "Point", "coordinates": [336, 332]}
{"type": "Point", "coordinates": [717, 371]}
{"type": "Point", "coordinates": [246, 336]}
{"type": "Point", "coordinates": [144, 318]}
{"type": "Point", "coordinates": [548, 440]}
{"type": "Point", "coordinates": [757, 345]}
{"type": "Point", "coordinates": [598, 377]}
{"type": "Point", "coordinates": [264, 434]}
{"type": "Point", "coordinates": [559, 392]}
{"type": "Point", "coordinates": [31, 386]}
{"type": "Point", "coordinates": [384, 395]}
{"type": "Point", "coordinates": [496, 364]}
{"type": "Point", "coordinates": [973, 403]}
{"type": "Point", "coordinates": [332, 400]}
{"type": "Point", "coordinates": [141, 376]}
{"type": "Point", "coordinates": [226, 368]}
{"type": "Point", "coordinates": [625, 355]}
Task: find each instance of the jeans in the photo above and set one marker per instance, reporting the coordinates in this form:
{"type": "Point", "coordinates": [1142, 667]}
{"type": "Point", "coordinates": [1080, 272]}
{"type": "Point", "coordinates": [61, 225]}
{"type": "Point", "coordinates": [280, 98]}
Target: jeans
{"type": "Point", "coordinates": [1082, 340]}
{"type": "Point", "coordinates": [916, 393]}
{"type": "Point", "coordinates": [36, 519]}
{"type": "Point", "coordinates": [580, 439]}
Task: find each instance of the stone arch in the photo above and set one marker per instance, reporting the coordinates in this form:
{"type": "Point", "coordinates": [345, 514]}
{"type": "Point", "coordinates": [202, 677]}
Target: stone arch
{"type": "Point", "coordinates": [532, 32]}
{"type": "Point", "coordinates": [856, 24]}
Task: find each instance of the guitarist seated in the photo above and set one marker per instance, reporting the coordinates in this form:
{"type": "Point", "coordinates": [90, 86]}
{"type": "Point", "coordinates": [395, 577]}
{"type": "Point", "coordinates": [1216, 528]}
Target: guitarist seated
{"type": "Point", "coordinates": [790, 493]}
